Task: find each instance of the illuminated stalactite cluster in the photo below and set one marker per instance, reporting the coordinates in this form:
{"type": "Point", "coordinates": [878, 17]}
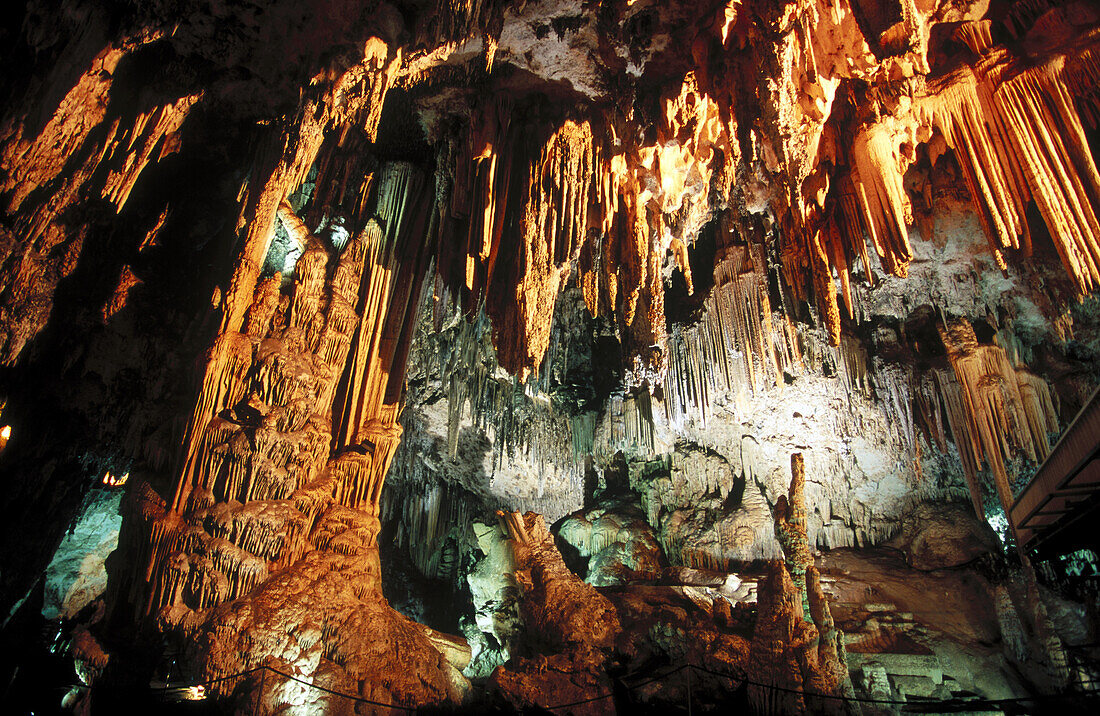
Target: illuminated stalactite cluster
{"type": "Point", "coordinates": [644, 200]}
{"type": "Point", "coordinates": [799, 117]}
{"type": "Point", "coordinates": [1017, 135]}
{"type": "Point", "coordinates": [525, 207]}
{"type": "Point", "coordinates": [576, 198]}
{"type": "Point", "coordinates": [90, 149]}
{"type": "Point", "coordinates": [996, 411]}
{"type": "Point", "coordinates": [736, 346]}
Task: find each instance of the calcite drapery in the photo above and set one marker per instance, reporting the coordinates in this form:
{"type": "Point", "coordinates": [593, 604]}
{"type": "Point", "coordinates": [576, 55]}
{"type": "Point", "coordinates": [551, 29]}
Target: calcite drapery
{"type": "Point", "coordinates": [287, 472]}
{"type": "Point", "coordinates": [994, 410]}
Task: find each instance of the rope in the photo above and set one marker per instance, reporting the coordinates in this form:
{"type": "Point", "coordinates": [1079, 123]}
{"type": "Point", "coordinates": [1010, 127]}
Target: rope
{"type": "Point", "coordinates": [677, 670]}
{"type": "Point", "coordinates": [360, 699]}
{"type": "Point", "coordinates": [912, 706]}
{"type": "Point", "coordinates": [733, 678]}
{"type": "Point", "coordinates": [273, 670]}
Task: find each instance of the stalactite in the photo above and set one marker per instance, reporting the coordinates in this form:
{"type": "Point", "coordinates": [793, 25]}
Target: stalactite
{"type": "Point", "coordinates": [613, 210]}
{"type": "Point", "coordinates": [989, 416]}
{"type": "Point", "coordinates": [131, 151]}
{"type": "Point", "coordinates": [521, 420]}
{"type": "Point", "coordinates": [358, 476]}
{"type": "Point", "coordinates": [1082, 77]}
{"type": "Point", "coordinates": [264, 305]}
{"type": "Point", "coordinates": [550, 210]}
{"type": "Point", "coordinates": [366, 389]}
{"type": "Point", "coordinates": [958, 420]}
{"type": "Point", "coordinates": [432, 520]}
{"type": "Point", "coordinates": [306, 312]}
{"type": "Point", "coordinates": [884, 205]}
{"type": "Point", "coordinates": [223, 385]}
{"type": "Point", "coordinates": [733, 348]}
{"type": "Point", "coordinates": [345, 531]}
{"type": "Point", "coordinates": [353, 99]}
{"type": "Point", "coordinates": [1017, 136]}
{"type": "Point", "coordinates": [273, 530]}
{"type": "Point", "coordinates": [82, 109]}
{"type": "Point", "coordinates": [1042, 418]}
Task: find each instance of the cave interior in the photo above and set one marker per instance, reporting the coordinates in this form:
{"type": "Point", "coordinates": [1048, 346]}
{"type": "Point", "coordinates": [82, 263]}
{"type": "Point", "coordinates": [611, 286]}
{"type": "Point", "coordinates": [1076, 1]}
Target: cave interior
{"type": "Point", "coordinates": [568, 356]}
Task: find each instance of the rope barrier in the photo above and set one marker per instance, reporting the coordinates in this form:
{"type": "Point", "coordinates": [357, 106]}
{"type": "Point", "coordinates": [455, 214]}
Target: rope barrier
{"type": "Point", "coordinates": [809, 694]}
{"type": "Point", "coordinates": [360, 699]}
{"type": "Point", "coordinates": [677, 670]}
{"type": "Point", "coordinates": [912, 706]}
{"type": "Point", "coordinates": [273, 670]}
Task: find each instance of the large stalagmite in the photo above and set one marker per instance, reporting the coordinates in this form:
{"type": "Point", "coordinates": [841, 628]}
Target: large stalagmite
{"type": "Point", "coordinates": [275, 514]}
{"type": "Point", "coordinates": [796, 645]}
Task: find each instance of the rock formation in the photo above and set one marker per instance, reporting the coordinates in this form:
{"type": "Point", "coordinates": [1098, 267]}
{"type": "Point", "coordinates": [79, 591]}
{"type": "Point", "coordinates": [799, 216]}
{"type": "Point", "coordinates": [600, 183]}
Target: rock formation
{"type": "Point", "coordinates": [797, 660]}
{"type": "Point", "coordinates": [615, 541]}
{"type": "Point", "coordinates": [278, 488]}
{"type": "Point", "coordinates": [338, 282]}
{"type": "Point", "coordinates": [570, 627]}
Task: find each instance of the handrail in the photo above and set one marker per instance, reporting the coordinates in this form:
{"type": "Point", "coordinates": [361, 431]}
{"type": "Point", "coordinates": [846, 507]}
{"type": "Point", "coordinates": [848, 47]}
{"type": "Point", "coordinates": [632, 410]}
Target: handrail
{"type": "Point", "coordinates": [1061, 438]}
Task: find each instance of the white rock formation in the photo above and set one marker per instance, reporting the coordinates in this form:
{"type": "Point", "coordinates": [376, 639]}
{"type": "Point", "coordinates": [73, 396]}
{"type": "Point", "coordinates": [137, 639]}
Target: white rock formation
{"type": "Point", "coordinates": [76, 576]}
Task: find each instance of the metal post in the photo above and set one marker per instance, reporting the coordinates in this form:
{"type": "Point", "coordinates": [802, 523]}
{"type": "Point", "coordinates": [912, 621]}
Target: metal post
{"type": "Point", "coordinates": [690, 667]}
{"type": "Point", "coordinates": [260, 692]}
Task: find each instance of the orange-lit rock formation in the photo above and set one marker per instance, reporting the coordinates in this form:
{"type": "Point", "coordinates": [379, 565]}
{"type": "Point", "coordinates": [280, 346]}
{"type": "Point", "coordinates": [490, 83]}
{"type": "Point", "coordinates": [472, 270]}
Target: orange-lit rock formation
{"type": "Point", "coordinates": [995, 411]}
{"type": "Point", "coordinates": [571, 627]}
{"type": "Point", "coordinates": [280, 486]}
{"type": "Point", "coordinates": [670, 244]}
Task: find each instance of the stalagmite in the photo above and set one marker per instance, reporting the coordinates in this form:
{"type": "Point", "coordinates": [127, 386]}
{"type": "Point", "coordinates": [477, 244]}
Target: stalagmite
{"type": "Point", "coordinates": [295, 426]}
{"type": "Point", "coordinates": [796, 646]}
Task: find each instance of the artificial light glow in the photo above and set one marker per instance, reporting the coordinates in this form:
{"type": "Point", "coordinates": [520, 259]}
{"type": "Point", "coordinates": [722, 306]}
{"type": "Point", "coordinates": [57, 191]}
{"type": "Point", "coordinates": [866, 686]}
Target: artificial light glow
{"type": "Point", "coordinates": [5, 432]}
{"type": "Point", "coordinates": [110, 480]}
{"type": "Point", "coordinates": [194, 693]}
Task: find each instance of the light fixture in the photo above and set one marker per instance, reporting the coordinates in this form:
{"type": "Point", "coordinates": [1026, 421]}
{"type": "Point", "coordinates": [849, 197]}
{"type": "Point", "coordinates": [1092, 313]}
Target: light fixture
{"type": "Point", "coordinates": [110, 480]}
